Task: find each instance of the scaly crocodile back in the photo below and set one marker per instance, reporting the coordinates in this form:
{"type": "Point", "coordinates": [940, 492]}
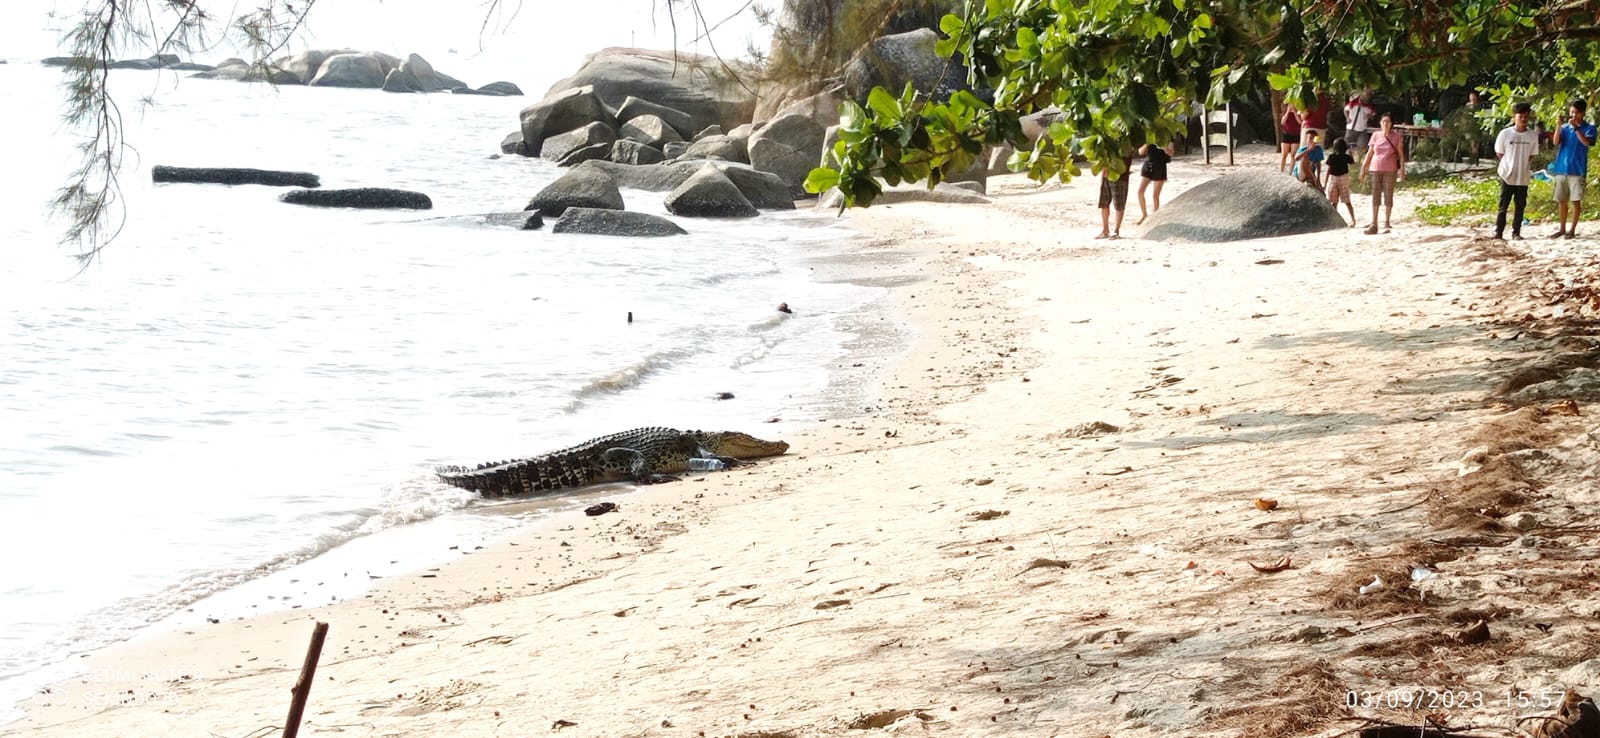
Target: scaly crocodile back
{"type": "Point", "coordinates": [638, 454]}
{"type": "Point", "coordinates": [576, 466]}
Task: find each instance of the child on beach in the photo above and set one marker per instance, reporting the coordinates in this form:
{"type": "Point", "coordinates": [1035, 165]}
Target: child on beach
{"type": "Point", "coordinates": [1308, 162]}
{"type": "Point", "coordinates": [1113, 193]}
{"type": "Point", "coordinates": [1153, 170]}
{"type": "Point", "coordinates": [1337, 182]}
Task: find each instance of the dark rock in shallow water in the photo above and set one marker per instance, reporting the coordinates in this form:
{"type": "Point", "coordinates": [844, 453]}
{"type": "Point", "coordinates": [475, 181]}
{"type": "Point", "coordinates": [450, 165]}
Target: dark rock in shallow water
{"type": "Point", "coordinates": [234, 176]}
{"type": "Point", "coordinates": [504, 89]}
{"type": "Point", "coordinates": [601, 222]}
{"type": "Point", "coordinates": [360, 197]}
{"type": "Point", "coordinates": [584, 186]}
{"type": "Point", "coordinates": [1243, 205]}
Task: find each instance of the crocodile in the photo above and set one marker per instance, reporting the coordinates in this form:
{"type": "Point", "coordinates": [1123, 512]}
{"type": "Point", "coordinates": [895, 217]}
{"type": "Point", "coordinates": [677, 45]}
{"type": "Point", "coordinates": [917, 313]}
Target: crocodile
{"type": "Point", "coordinates": [643, 455]}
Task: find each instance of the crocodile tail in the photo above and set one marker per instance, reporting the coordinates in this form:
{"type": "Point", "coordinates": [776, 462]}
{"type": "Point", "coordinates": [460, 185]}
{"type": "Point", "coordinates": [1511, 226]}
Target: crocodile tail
{"type": "Point", "coordinates": [522, 476]}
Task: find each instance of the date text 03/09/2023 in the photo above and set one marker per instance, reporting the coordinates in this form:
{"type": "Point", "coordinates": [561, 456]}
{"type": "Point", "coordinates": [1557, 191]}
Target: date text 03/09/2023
{"type": "Point", "coordinates": [1443, 698]}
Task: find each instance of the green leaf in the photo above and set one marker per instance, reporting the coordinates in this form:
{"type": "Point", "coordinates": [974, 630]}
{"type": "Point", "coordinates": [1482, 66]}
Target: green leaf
{"type": "Point", "coordinates": [821, 180]}
{"type": "Point", "coordinates": [883, 104]}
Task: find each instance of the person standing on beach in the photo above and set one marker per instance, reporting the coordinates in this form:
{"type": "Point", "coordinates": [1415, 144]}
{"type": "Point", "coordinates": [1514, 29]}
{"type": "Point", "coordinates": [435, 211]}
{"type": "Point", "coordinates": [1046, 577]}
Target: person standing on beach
{"type": "Point", "coordinates": [1290, 125]}
{"type": "Point", "coordinates": [1357, 113]}
{"type": "Point", "coordinates": [1386, 160]}
{"type": "Point", "coordinates": [1516, 144]}
{"type": "Point", "coordinates": [1315, 119]}
{"type": "Point", "coordinates": [1571, 166]}
{"type": "Point", "coordinates": [1114, 192]}
{"type": "Point", "coordinates": [1154, 170]}
{"type": "Point", "coordinates": [1337, 184]}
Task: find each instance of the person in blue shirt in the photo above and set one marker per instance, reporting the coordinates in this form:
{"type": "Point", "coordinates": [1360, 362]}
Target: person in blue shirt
{"type": "Point", "coordinates": [1571, 165]}
{"type": "Point", "coordinates": [1308, 162]}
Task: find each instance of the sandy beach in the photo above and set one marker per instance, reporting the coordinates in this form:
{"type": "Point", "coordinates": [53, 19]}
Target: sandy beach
{"type": "Point", "coordinates": [1052, 524]}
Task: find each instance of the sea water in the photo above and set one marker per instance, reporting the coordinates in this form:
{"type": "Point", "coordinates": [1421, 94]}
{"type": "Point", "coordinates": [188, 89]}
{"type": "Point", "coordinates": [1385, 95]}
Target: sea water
{"type": "Point", "coordinates": [237, 407]}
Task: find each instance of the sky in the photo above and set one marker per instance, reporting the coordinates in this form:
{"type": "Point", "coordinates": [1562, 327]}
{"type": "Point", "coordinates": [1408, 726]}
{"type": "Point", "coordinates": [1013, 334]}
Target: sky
{"type": "Point", "coordinates": [532, 42]}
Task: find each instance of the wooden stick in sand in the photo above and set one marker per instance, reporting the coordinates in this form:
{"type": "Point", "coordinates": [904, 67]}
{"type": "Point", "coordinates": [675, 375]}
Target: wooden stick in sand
{"type": "Point", "coordinates": [302, 686]}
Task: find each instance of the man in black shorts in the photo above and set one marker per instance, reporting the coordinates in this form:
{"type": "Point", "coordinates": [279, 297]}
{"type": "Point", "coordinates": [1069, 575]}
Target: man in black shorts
{"type": "Point", "coordinates": [1113, 193]}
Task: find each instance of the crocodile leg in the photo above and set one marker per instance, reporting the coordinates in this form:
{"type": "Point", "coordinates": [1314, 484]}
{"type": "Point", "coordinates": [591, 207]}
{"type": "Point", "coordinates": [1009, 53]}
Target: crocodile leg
{"type": "Point", "coordinates": [636, 465]}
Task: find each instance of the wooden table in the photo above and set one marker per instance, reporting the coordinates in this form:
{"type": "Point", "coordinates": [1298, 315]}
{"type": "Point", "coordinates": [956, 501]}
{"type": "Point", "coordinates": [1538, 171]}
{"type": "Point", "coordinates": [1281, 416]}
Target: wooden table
{"type": "Point", "coordinates": [1410, 134]}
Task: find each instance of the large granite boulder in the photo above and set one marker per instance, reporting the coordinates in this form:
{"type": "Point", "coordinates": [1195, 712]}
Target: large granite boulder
{"type": "Point", "coordinates": [351, 70]}
{"type": "Point", "coordinates": [512, 144]}
{"type": "Point", "coordinates": [584, 186]}
{"type": "Point", "coordinates": [892, 61]}
{"type": "Point", "coordinates": [700, 86]}
{"type": "Point", "coordinates": [575, 157]}
{"type": "Point", "coordinates": [709, 193]}
{"type": "Point", "coordinates": [360, 197]}
{"type": "Point", "coordinates": [559, 113]}
{"type": "Point", "coordinates": [633, 107]}
{"type": "Point", "coordinates": [602, 222]}
{"type": "Point", "coordinates": [306, 64]}
{"type": "Point", "coordinates": [234, 176]}
{"type": "Point", "coordinates": [418, 69]}
{"type": "Point", "coordinates": [822, 108]}
{"type": "Point", "coordinates": [625, 151]}
{"type": "Point", "coordinates": [764, 190]}
{"type": "Point", "coordinates": [399, 80]}
{"type": "Point", "coordinates": [724, 148]}
{"type": "Point", "coordinates": [1249, 203]}
{"type": "Point", "coordinates": [558, 147]}
{"type": "Point", "coordinates": [789, 147]}
{"type": "Point", "coordinates": [649, 130]}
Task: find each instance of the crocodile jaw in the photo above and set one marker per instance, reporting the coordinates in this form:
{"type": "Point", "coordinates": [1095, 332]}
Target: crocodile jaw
{"type": "Point", "coordinates": [740, 445]}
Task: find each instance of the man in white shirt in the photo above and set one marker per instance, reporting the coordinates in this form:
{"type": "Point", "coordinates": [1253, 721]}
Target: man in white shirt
{"type": "Point", "coordinates": [1357, 113]}
{"type": "Point", "coordinates": [1516, 144]}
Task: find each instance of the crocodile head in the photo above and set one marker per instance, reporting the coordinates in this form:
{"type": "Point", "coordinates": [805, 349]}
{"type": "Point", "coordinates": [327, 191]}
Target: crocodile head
{"type": "Point", "coordinates": [739, 445]}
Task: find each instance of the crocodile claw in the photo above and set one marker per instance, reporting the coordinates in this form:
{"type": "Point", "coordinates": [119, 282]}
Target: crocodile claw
{"type": "Point", "coordinates": [657, 479]}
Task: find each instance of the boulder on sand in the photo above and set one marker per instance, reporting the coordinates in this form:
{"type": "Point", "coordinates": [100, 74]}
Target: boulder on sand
{"type": "Point", "coordinates": [1243, 205]}
{"type": "Point", "coordinates": [360, 197]}
{"type": "Point", "coordinates": [234, 176]}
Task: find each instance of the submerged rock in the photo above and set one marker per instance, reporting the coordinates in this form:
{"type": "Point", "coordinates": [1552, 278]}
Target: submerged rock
{"type": "Point", "coordinates": [234, 176]}
{"type": "Point", "coordinates": [360, 197]}
{"type": "Point", "coordinates": [602, 222]}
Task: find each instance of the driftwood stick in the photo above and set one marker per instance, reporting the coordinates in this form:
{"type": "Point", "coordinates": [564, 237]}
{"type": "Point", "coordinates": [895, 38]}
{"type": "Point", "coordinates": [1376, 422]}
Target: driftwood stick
{"type": "Point", "coordinates": [302, 686]}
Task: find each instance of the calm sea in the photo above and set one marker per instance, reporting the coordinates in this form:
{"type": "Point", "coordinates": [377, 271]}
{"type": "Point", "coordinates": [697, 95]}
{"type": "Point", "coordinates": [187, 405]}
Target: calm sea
{"type": "Point", "coordinates": [237, 408]}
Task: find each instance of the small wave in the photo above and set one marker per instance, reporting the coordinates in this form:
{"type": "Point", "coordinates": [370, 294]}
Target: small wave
{"type": "Point", "coordinates": [625, 378]}
{"type": "Point", "coordinates": [771, 322]}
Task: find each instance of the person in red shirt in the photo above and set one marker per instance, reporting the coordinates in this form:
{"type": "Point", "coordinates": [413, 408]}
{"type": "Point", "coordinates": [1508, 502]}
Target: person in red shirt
{"type": "Point", "coordinates": [1290, 123]}
{"type": "Point", "coordinates": [1316, 119]}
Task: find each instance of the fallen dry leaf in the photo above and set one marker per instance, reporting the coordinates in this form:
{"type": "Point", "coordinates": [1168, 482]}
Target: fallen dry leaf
{"type": "Point", "coordinates": [1263, 503]}
{"type": "Point", "coordinates": [1564, 407]}
{"type": "Point", "coordinates": [1280, 565]}
{"type": "Point", "coordinates": [1477, 632]}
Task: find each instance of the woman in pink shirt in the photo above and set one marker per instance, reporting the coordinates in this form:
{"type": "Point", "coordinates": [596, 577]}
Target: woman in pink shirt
{"type": "Point", "coordinates": [1386, 159]}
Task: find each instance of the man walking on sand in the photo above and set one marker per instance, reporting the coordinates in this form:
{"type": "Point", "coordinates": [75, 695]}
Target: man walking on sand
{"type": "Point", "coordinates": [1571, 166]}
{"type": "Point", "coordinates": [1516, 144]}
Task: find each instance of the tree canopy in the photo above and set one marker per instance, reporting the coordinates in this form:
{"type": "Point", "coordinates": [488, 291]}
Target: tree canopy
{"type": "Point", "coordinates": [1123, 72]}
